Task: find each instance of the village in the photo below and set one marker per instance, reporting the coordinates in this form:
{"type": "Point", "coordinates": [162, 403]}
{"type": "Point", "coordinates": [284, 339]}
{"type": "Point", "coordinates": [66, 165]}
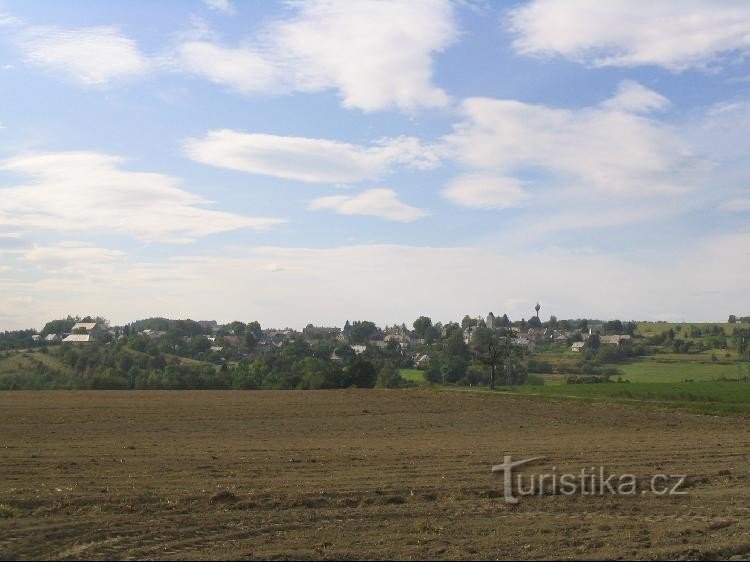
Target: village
{"type": "Point", "coordinates": [234, 340]}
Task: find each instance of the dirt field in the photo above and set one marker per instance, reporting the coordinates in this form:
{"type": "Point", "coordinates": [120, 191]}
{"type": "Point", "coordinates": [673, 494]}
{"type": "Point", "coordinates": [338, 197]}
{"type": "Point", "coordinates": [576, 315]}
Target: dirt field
{"type": "Point", "coordinates": [355, 474]}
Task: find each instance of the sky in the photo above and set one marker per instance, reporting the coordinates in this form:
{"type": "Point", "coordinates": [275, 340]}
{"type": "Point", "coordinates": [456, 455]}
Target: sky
{"type": "Point", "coordinates": [296, 162]}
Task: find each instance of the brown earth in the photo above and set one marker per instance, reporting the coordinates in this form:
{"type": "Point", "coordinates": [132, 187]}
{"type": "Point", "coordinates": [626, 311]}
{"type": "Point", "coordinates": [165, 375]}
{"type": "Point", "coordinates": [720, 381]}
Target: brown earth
{"type": "Point", "coordinates": [356, 474]}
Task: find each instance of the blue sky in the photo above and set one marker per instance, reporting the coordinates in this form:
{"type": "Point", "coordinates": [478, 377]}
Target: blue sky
{"type": "Point", "coordinates": [298, 162]}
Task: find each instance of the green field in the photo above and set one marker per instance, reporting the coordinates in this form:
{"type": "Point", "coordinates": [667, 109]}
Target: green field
{"type": "Point", "coordinates": [658, 370]}
{"type": "Point", "coordinates": [723, 398]}
{"type": "Point", "coordinates": [414, 376]}
{"type": "Point", "coordinates": [646, 329]}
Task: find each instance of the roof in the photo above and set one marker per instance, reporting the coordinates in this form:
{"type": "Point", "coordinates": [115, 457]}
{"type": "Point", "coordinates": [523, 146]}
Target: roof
{"type": "Point", "coordinates": [78, 338]}
{"type": "Point", "coordinates": [84, 326]}
{"type": "Point", "coordinates": [617, 338]}
{"type": "Point", "coordinates": [578, 344]}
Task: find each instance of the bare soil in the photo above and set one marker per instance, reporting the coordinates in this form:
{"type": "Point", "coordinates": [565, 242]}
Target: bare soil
{"type": "Point", "coordinates": [356, 474]}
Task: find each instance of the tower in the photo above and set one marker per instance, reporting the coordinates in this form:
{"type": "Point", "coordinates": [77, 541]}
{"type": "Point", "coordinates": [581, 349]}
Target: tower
{"type": "Point", "coordinates": [537, 307]}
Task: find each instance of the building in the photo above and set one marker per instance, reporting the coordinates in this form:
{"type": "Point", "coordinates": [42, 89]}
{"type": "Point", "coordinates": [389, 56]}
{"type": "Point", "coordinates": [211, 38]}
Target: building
{"type": "Point", "coordinates": [85, 332]}
{"type": "Point", "coordinates": [577, 346]}
{"type": "Point", "coordinates": [78, 338]}
{"type": "Point", "coordinates": [616, 339]}
{"type": "Point", "coordinates": [422, 361]}
{"type": "Point", "coordinates": [319, 333]}
{"type": "Point", "coordinates": [524, 342]}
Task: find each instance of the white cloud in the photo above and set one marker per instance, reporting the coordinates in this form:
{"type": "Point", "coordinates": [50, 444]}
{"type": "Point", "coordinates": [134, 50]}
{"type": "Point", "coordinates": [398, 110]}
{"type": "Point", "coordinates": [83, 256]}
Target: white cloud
{"type": "Point", "coordinates": [485, 191]}
{"type": "Point", "coordinates": [224, 6]}
{"type": "Point", "coordinates": [242, 69]}
{"type": "Point", "coordinates": [87, 191]}
{"type": "Point", "coordinates": [603, 149]}
{"type": "Point", "coordinates": [674, 35]}
{"type": "Point", "coordinates": [376, 54]}
{"type": "Point", "coordinates": [634, 97]}
{"type": "Point", "coordinates": [93, 56]}
{"type": "Point", "coordinates": [383, 203]}
{"type": "Point", "coordinates": [307, 159]}
{"type": "Point", "coordinates": [71, 253]}
{"type": "Point", "coordinates": [330, 285]}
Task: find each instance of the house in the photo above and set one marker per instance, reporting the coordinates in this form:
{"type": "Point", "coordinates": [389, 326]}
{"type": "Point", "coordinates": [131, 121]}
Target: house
{"type": "Point", "coordinates": [359, 348]}
{"type": "Point", "coordinates": [318, 333]}
{"type": "Point", "coordinates": [52, 338]}
{"type": "Point", "coordinates": [154, 335]}
{"type": "Point", "coordinates": [88, 328]}
{"type": "Point", "coordinates": [469, 333]}
{"type": "Point", "coordinates": [84, 332]}
{"type": "Point", "coordinates": [231, 340]}
{"type": "Point", "coordinates": [422, 361]}
{"type": "Point", "coordinates": [36, 338]}
{"type": "Point", "coordinates": [78, 338]}
{"type": "Point", "coordinates": [524, 342]}
{"type": "Point", "coordinates": [615, 339]}
{"type": "Point", "coordinates": [577, 346]}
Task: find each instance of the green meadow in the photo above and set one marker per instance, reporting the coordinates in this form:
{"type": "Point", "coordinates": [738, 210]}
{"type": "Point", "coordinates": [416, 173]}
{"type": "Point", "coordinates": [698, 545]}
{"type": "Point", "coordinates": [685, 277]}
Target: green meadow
{"type": "Point", "coordinates": [721, 398]}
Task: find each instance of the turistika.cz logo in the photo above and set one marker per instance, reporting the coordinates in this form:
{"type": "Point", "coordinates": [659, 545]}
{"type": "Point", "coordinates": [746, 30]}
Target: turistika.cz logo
{"type": "Point", "coordinates": [589, 481]}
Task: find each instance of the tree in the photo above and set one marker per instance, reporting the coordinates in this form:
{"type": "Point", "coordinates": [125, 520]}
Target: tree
{"type": "Point", "coordinates": [59, 326]}
{"type": "Point", "coordinates": [421, 325]}
{"type": "Point", "coordinates": [431, 334]}
{"type": "Point", "coordinates": [362, 331]}
{"type": "Point", "coordinates": [238, 328]}
{"type": "Point", "coordinates": [593, 342]}
{"type": "Point", "coordinates": [503, 356]}
{"type": "Point", "coordinates": [451, 328]}
{"type": "Point", "coordinates": [732, 319]}
{"type": "Point", "coordinates": [361, 374]}
{"type": "Point", "coordinates": [389, 377]}
{"type": "Point", "coordinates": [534, 322]}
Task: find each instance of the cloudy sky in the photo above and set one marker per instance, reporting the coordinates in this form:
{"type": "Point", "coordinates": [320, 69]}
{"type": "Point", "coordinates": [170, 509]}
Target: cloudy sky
{"type": "Point", "coordinates": [319, 161]}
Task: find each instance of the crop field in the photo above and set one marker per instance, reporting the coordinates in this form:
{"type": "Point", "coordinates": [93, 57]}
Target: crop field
{"type": "Point", "coordinates": [652, 369]}
{"type": "Point", "coordinates": [655, 328]}
{"type": "Point", "coordinates": [716, 398]}
{"type": "Point", "coordinates": [357, 474]}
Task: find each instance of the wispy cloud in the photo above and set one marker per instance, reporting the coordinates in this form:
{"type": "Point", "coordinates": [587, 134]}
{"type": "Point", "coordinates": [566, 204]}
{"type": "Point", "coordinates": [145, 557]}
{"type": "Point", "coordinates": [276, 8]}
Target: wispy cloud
{"type": "Point", "coordinates": [89, 192]}
{"type": "Point", "coordinates": [673, 35]}
{"type": "Point", "coordinates": [223, 6]}
{"type": "Point", "coordinates": [382, 203]}
{"type": "Point", "coordinates": [485, 191]}
{"type": "Point", "coordinates": [92, 56]}
{"type": "Point", "coordinates": [307, 159]}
